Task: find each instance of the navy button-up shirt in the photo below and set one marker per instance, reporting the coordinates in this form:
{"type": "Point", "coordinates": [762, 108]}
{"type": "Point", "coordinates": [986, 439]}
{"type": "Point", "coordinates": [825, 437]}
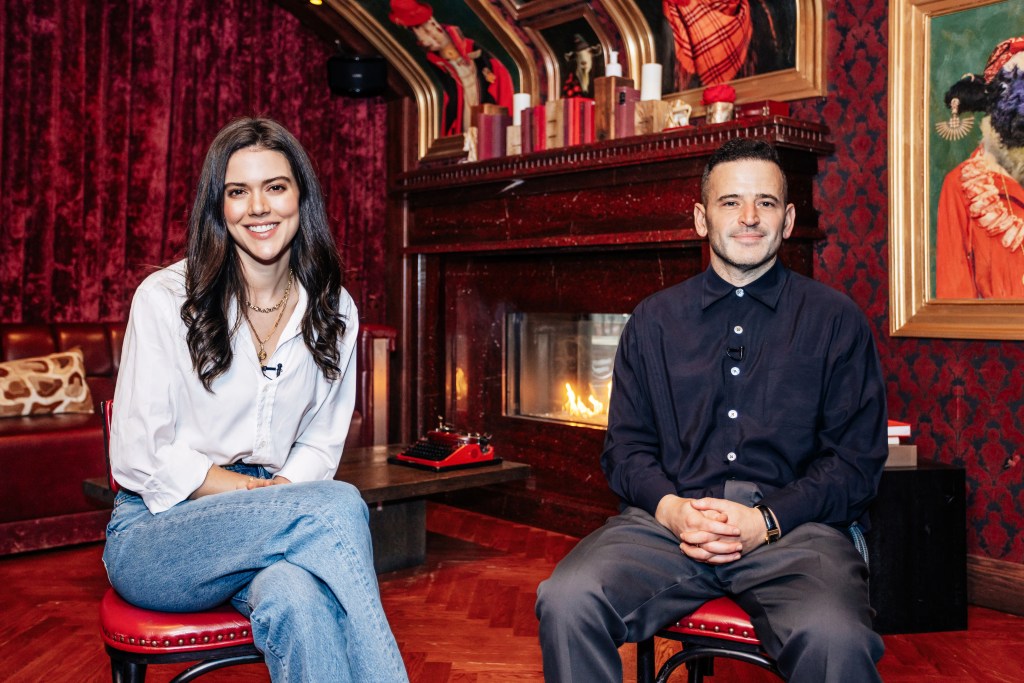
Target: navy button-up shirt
{"type": "Point", "coordinates": [774, 387]}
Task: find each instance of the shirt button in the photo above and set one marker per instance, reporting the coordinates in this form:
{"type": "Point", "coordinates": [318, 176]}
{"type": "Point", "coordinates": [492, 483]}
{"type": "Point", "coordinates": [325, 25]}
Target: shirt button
{"type": "Point", "coordinates": [738, 329]}
{"type": "Point", "coordinates": [733, 414]}
{"type": "Point", "coordinates": [730, 457]}
{"type": "Point", "coordinates": [739, 292]}
{"type": "Point", "coordinates": [734, 371]}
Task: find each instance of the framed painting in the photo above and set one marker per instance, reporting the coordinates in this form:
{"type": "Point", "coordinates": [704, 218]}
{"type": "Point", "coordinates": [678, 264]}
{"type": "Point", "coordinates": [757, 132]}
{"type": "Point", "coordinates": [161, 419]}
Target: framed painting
{"type": "Point", "coordinates": [768, 50]}
{"type": "Point", "coordinates": [956, 220]}
{"type": "Point", "coordinates": [573, 47]}
{"type": "Point", "coordinates": [454, 56]}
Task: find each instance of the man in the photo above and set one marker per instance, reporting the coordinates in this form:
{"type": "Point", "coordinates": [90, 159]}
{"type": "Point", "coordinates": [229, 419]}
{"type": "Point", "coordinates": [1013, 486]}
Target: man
{"type": "Point", "coordinates": [746, 385]}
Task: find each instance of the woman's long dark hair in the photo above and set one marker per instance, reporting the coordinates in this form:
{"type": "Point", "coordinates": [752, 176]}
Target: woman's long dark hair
{"type": "Point", "coordinates": [213, 273]}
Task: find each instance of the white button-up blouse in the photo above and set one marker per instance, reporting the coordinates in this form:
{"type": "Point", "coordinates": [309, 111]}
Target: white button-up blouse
{"type": "Point", "coordinates": [168, 430]}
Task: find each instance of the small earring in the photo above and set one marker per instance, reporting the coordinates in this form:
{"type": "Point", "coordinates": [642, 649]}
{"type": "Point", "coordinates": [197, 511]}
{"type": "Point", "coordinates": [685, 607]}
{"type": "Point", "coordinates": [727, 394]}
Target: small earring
{"type": "Point", "coordinates": [956, 127]}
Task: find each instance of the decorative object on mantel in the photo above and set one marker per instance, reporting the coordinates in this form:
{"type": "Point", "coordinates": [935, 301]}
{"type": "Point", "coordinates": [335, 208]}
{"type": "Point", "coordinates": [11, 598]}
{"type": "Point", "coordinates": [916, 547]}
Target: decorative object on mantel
{"type": "Point", "coordinates": [612, 67]}
{"type": "Point", "coordinates": [488, 123]}
{"type": "Point", "coordinates": [719, 100]}
{"type": "Point", "coordinates": [650, 82]}
{"type": "Point", "coordinates": [450, 149]}
{"type": "Point", "coordinates": [610, 97]}
{"type": "Point", "coordinates": [762, 108]}
{"type": "Point", "coordinates": [651, 111]}
{"type": "Point", "coordinates": [679, 114]}
{"type": "Point", "coordinates": [514, 134]}
{"type": "Point", "coordinates": [534, 134]}
{"type": "Point", "coordinates": [569, 121]}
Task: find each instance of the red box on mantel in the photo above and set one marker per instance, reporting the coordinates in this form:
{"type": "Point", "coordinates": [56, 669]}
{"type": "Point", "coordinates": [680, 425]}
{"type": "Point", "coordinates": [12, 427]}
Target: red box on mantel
{"type": "Point", "coordinates": [762, 108]}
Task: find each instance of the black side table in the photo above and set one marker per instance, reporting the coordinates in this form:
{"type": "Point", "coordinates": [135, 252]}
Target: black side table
{"type": "Point", "coordinates": [918, 550]}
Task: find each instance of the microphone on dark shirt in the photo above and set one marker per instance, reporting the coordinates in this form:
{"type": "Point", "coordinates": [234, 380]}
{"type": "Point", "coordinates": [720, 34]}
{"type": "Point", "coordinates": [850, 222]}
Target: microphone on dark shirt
{"type": "Point", "coordinates": [734, 352]}
{"type": "Point", "coordinates": [272, 369]}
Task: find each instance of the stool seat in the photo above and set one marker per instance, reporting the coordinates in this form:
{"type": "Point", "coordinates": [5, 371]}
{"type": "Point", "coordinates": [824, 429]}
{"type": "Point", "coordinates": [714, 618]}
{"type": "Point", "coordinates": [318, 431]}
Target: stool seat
{"type": "Point", "coordinates": [128, 628]}
{"type": "Point", "coordinates": [721, 618]}
{"type": "Point", "coordinates": [718, 628]}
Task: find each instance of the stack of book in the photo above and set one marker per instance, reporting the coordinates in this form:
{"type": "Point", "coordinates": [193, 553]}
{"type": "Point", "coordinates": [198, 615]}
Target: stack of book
{"type": "Point", "coordinates": [901, 454]}
{"type": "Point", "coordinates": [897, 431]}
{"type": "Point", "coordinates": [490, 123]}
{"type": "Point", "coordinates": [534, 129]}
{"type": "Point", "coordinates": [569, 121]}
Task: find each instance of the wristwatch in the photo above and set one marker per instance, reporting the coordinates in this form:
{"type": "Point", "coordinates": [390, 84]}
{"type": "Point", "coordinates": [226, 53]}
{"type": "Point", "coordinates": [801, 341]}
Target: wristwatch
{"type": "Point", "coordinates": [772, 532]}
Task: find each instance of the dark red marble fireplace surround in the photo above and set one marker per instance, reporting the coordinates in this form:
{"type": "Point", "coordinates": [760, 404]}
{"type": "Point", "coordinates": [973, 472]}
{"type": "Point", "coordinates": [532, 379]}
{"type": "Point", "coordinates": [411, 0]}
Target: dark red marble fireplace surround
{"type": "Point", "coordinates": [590, 229]}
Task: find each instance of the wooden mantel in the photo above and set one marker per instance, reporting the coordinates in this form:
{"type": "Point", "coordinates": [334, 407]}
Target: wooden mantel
{"type": "Point", "coordinates": [784, 132]}
{"type": "Point", "coordinates": [587, 229]}
{"type": "Point", "coordinates": [612, 193]}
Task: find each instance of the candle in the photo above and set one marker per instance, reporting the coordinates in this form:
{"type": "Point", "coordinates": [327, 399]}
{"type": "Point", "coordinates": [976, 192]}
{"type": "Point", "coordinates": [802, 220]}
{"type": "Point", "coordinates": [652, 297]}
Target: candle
{"type": "Point", "coordinates": [520, 101]}
{"type": "Point", "coordinates": [613, 68]}
{"type": "Point", "coordinates": [650, 82]}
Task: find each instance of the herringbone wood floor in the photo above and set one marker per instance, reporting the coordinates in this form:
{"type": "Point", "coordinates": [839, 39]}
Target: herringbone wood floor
{"type": "Point", "coordinates": [466, 616]}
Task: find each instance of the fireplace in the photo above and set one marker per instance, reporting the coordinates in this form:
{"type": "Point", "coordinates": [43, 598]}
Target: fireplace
{"type": "Point", "coordinates": [558, 366]}
{"type": "Point", "coordinates": [526, 270]}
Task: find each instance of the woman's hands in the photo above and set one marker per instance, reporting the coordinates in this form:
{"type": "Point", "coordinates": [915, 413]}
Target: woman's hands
{"type": "Point", "coordinates": [219, 480]}
{"type": "Point", "coordinates": [711, 530]}
{"type": "Point", "coordinates": [258, 483]}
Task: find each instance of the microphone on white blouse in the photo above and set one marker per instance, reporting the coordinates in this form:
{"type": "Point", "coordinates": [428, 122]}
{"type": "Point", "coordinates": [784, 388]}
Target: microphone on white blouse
{"type": "Point", "coordinates": [272, 369]}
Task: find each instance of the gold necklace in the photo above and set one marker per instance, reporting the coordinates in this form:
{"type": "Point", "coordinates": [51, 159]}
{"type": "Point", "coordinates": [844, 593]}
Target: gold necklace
{"type": "Point", "coordinates": [262, 353]}
{"type": "Point", "coordinates": [280, 303]}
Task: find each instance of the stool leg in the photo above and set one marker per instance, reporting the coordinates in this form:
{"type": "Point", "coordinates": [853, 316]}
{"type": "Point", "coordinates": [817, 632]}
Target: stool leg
{"type": "Point", "coordinates": [645, 661]}
{"type": "Point", "coordinates": [697, 669]}
{"type": "Point", "coordinates": [122, 671]}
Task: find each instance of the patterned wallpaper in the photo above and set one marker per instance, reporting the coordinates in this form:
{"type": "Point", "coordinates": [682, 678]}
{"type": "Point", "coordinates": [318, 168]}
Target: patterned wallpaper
{"type": "Point", "coordinates": [964, 398]}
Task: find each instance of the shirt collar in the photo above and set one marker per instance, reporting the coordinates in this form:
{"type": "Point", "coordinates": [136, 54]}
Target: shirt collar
{"type": "Point", "coordinates": [767, 289]}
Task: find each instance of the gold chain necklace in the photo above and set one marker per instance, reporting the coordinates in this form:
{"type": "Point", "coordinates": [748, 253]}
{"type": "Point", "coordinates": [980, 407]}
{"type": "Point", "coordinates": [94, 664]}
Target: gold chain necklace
{"type": "Point", "coordinates": [280, 303]}
{"type": "Point", "coordinates": [262, 353]}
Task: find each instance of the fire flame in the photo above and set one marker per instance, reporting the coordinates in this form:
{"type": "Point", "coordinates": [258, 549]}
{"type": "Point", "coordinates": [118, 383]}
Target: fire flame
{"type": "Point", "coordinates": [575, 405]}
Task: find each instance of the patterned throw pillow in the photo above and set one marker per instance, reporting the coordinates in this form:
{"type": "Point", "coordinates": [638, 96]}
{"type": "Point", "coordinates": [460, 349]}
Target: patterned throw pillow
{"type": "Point", "coordinates": [45, 385]}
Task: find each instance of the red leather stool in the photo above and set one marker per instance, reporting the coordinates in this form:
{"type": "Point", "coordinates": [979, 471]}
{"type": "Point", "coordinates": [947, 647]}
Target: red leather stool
{"type": "Point", "coordinates": [135, 637]}
{"type": "Point", "coordinates": [718, 628]}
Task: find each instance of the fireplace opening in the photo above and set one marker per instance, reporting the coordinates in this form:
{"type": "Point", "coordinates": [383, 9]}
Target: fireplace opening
{"type": "Point", "coordinates": [559, 365]}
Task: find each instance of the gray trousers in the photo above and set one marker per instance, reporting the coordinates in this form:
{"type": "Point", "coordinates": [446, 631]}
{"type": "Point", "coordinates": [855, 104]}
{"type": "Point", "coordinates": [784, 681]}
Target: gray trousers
{"type": "Point", "coordinates": [807, 596]}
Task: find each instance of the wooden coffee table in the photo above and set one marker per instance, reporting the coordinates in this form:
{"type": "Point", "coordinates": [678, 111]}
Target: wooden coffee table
{"type": "Point", "coordinates": [395, 494]}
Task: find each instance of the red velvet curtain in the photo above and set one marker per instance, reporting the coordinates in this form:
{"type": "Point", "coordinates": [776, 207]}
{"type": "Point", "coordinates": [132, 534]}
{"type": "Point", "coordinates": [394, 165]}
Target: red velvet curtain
{"type": "Point", "coordinates": [108, 108]}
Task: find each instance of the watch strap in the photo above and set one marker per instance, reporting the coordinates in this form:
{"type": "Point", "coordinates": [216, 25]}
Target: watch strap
{"type": "Point", "coordinates": [772, 532]}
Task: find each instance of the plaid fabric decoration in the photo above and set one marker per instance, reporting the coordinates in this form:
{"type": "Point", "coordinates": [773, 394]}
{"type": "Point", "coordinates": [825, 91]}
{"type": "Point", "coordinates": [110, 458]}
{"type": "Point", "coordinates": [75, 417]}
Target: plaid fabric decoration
{"type": "Point", "coordinates": [711, 37]}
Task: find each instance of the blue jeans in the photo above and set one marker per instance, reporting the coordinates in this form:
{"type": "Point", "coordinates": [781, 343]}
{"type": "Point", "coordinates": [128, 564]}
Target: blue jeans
{"type": "Point", "coordinates": [296, 559]}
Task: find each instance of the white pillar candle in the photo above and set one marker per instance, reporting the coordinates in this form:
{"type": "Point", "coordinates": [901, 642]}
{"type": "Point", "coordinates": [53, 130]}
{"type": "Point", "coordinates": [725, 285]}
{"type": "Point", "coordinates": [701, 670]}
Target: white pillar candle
{"type": "Point", "coordinates": [613, 68]}
{"type": "Point", "coordinates": [650, 82]}
{"type": "Point", "coordinates": [520, 101]}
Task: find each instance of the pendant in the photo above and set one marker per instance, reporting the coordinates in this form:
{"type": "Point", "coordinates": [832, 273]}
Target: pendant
{"type": "Point", "coordinates": [262, 355]}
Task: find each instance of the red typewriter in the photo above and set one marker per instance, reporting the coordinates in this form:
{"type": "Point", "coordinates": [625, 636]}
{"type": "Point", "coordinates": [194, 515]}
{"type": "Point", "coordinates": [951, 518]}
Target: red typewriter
{"type": "Point", "coordinates": [446, 448]}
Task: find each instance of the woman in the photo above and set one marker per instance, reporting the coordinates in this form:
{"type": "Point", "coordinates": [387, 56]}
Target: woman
{"type": "Point", "coordinates": [234, 398]}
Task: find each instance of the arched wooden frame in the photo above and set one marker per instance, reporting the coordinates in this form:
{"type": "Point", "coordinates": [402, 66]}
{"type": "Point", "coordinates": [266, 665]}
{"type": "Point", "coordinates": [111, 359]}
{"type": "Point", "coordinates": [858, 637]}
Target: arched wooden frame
{"type": "Point", "coordinates": [428, 103]}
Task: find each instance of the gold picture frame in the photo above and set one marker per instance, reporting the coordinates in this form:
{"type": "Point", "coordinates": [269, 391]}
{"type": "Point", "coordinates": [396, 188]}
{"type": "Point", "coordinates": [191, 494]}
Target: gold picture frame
{"type": "Point", "coordinates": [805, 79]}
{"type": "Point", "coordinates": [914, 310]}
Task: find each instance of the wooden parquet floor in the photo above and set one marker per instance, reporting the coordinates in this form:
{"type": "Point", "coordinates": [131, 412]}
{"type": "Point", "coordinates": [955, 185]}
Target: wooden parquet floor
{"type": "Point", "coordinates": [465, 616]}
